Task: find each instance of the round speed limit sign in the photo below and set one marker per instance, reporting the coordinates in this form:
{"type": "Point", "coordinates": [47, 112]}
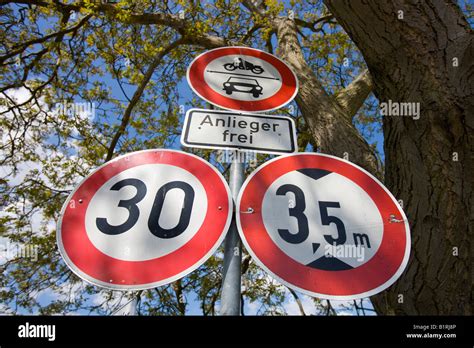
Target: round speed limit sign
{"type": "Point", "coordinates": [144, 219]}
{"type": "Point", "coordinates": [323, 226]}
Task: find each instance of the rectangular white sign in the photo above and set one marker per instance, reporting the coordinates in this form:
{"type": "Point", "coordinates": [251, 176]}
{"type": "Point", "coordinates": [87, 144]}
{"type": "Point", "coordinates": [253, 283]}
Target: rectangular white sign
{"type": "Point", "coordinates": [215, 129]}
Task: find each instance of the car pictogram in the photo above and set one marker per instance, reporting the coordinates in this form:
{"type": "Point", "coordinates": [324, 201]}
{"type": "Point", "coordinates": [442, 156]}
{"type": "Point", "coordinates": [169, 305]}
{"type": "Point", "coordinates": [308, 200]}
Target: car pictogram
{"type": "Point", "coordinates": [243, 85]}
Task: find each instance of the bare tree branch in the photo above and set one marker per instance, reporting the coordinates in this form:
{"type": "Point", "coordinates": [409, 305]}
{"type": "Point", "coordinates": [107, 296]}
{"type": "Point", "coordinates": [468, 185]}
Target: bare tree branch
{"type": "Point", "coordinates": [329, 126]}
{"type": "Point", "coordinates": [61, 33]}
{"type": "Point", "coordinates": [167, 19]}
{"type": "Point", "coordinates": [181, 25]}
{"type": "Point", "coordinates": [353, 96]}
{"type": "Point", "coordinates": [330, 309]}
{"type": "Point", "coordinates": [249, 33]}
{"type": "Point", "coordinates": [255, 6]}
{"type": "Point", "coordinates": [177, 287]}
{"type": "Point", "coordinates": [25, 2]}
{"type": "Point", "coordinates": [298, 301]}
{"type": "Point", "coordinates": [313, 25]}
{"type": "Point", "coordinates": [207, 41]}
{"type": "Point", "coordinates": [137, 95]}
{"type": "Point", "coordinates": [268, 43]}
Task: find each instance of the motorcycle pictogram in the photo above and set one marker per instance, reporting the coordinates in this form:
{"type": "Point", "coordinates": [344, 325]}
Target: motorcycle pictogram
{"type": "Point", "coordinates": [243, 65]}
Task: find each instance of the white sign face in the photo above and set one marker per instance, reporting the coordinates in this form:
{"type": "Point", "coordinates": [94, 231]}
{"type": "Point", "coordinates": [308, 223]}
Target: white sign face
{"type": "Point", "coordinates": [331, 195]}
{"type": "Point", "coordinates": [229, 130]}
{"type": "Point", "coordinates": [138, 244]}
{"type": "Point", "coordinates": [242, 79]}
{"type": "Point", "coordinates": [144, 219]}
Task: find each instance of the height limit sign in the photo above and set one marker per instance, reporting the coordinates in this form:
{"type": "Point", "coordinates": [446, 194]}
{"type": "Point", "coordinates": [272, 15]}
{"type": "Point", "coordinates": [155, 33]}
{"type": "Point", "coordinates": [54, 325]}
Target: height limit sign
{"type": "Point", "coordinates": [323, 226]}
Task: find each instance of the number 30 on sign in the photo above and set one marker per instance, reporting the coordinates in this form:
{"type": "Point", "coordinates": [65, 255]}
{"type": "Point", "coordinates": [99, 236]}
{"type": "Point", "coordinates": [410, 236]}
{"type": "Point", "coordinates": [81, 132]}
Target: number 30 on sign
{"type": "Point", "coordinates": [144, 219]}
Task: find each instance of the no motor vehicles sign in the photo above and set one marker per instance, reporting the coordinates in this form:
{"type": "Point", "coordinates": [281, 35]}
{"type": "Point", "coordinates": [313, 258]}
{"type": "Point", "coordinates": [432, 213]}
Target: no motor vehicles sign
{"type": "Point", "coordinates": [242, 78]}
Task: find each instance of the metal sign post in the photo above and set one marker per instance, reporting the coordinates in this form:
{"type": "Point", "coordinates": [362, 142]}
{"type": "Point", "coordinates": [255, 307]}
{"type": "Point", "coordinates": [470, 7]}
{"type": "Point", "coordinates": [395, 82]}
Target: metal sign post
{"type": "Point", "coordinates": [231, 287]}
{"type": "Point", "coordinates": [240, 79]}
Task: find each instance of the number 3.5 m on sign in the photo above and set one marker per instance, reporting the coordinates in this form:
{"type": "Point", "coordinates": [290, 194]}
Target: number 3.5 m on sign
{"type": "Point", "coordinates": [144, 219]}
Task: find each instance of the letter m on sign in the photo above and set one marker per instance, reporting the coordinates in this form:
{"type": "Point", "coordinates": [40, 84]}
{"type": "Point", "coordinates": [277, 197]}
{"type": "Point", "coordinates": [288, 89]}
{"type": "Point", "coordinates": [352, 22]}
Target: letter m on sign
{"type": "Point", "coordinates": [361, 239]}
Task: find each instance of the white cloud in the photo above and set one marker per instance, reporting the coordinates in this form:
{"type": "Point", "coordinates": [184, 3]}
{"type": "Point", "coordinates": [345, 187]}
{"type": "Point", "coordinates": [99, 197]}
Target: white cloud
{"type": "Point", "coordinates": [37, 219]}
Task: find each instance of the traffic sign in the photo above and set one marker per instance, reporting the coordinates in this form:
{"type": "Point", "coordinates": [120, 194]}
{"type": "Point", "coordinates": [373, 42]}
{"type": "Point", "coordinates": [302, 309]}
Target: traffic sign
{"type": "Point", "coordinates": [242, 78]}
{"type": "Point", "coordinates": [212, 129]}
{"type": "Point", "coordinates": [144, 219]}
{"type": "Point", "coordinates": [323, 226]}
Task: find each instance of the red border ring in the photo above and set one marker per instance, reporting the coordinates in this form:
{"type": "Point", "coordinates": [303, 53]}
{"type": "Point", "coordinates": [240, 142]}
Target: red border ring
{"type": "Point", "coordinates": [92, 265]}
{"type": "Point", "coordinates": [381, 271]}
{"type": "Point", "coordinates": [285, 94]}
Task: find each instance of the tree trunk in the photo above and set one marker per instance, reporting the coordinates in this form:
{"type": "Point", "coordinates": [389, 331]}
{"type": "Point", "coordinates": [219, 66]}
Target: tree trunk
{"type": "Point", "coordinates": [422, 52]}
{"type": "Point", "coordinates": [329, 123]}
